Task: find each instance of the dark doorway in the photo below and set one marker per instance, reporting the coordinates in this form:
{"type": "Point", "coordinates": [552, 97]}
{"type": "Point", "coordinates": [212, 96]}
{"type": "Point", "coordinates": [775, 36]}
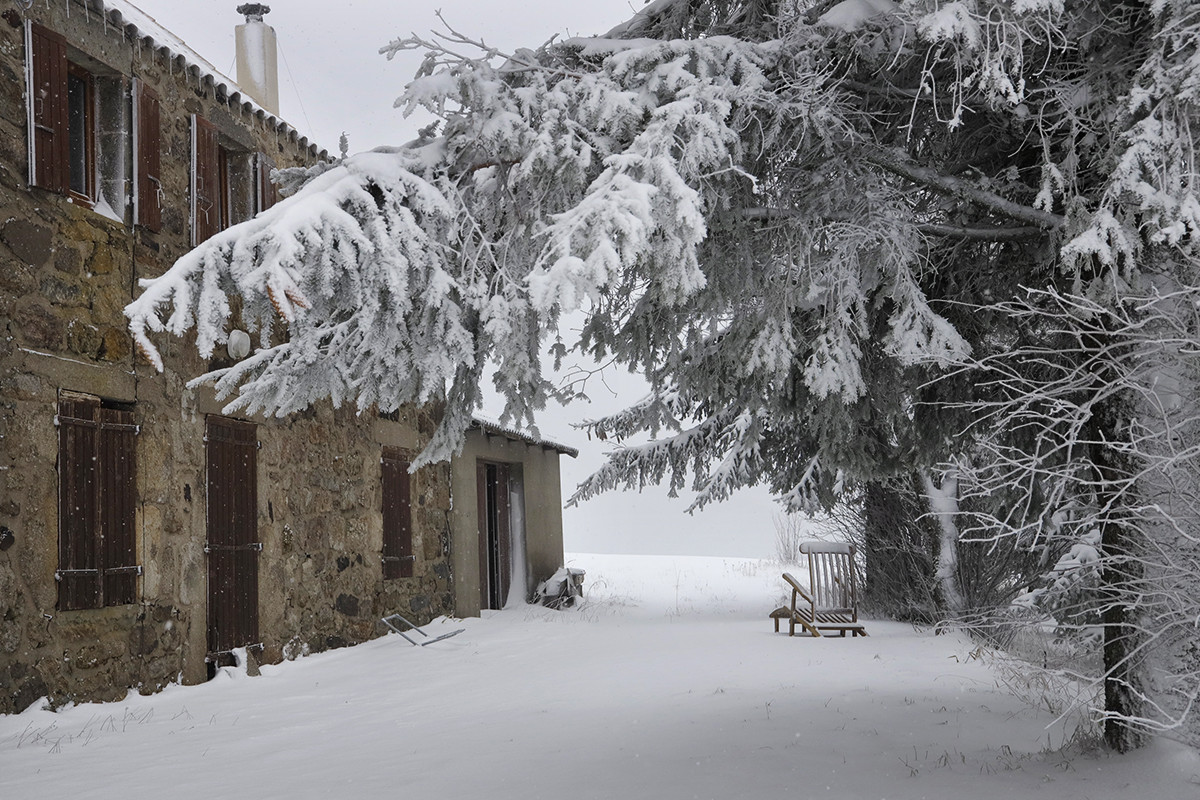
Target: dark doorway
{"type": "Point", "coordinates": [495, 536]}
{"type": "Point", "coordinates": [233, 547]}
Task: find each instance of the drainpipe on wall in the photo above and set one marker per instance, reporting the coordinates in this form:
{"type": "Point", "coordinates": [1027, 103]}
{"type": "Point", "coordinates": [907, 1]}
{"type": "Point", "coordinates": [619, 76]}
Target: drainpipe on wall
{"type": "Point", "coordinates": [257, 67]}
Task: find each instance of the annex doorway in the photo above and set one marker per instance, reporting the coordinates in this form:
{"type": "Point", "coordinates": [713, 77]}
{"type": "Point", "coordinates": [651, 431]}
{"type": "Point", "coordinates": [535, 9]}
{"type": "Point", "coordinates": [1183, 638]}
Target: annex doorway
{"type": "Point", "coordinates": [501, 532]}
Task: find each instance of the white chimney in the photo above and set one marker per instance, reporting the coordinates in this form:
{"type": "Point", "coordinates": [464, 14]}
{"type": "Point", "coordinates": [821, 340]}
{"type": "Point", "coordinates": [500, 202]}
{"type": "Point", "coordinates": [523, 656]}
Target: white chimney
{"type": "Point", "coordinates": [257, 67]}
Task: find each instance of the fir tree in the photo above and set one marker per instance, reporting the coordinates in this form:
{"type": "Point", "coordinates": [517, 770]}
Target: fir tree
{"type": "Point", "coordinates": [802, 222]}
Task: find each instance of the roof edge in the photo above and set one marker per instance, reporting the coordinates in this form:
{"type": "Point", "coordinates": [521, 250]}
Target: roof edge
{"type": "Point", "coordinates": [492, 428]}
{"type": "Point", "coordinates": [139, 27]}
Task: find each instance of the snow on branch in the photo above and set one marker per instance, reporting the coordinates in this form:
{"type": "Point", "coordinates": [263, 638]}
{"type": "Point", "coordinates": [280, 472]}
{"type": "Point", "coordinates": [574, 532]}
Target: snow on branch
{"type": "Point", "coordinates": [346, 283]}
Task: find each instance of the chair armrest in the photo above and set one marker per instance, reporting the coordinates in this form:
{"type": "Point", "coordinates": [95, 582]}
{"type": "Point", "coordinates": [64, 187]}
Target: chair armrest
{"type": "Point", "coordinates": [797, 589]}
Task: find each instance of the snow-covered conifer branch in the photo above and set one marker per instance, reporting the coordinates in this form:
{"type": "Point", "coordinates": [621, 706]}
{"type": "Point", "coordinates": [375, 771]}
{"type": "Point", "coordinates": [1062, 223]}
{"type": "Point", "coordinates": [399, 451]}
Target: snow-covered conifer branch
{"type": "Point", "coordinates": [790, 218]}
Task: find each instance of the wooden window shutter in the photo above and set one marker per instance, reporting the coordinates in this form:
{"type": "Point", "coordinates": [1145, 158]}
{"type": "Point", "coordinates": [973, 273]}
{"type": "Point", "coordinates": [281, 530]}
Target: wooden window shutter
{"type": "Point", "coordinates": [97, 500]}
{"type": "Point", "coordinates": [78, 524]}
{"type": "Point", "coordinates": [147, 198]}
{"type": "Point", "coordinates": [46, 87]}
{"type": "Point", "coordinates": [398, 554]}
{"type": "Point", "coordinates": [482, 509]}
{"type": "Point", "coordinates": [503, 550]}
{"type": "Point", "coordinates": [233, 544]}
{"type": "Point", "coordinates": [206, 180]}
{"type": "Point", "coordinates": [117, 500]}
{"type": "Point", "coordinates": [267, 192]}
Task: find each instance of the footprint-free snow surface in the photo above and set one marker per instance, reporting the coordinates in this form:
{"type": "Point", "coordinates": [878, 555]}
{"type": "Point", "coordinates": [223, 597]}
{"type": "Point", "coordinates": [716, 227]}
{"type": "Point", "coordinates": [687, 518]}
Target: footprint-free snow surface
{"type": "Point", "coordinates": [668, 682]}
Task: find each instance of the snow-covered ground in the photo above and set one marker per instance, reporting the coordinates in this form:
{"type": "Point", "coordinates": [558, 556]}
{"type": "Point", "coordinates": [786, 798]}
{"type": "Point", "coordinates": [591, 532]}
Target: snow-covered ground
{"type": "Point", "coordinates": [667, 683]}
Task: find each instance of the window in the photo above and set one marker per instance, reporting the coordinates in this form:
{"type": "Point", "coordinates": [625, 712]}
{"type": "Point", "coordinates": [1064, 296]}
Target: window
{"type": "Point", "coordinates": [81, 136]}
{"type": "Point", "coordinates": [398, 555]}
{"type": "Point", "coordinates": [268, 193]}
{"type": "Point", "coordinates": [228, 183]}
{"type": "Point", "coordinates": [78, 117]}
{"type": "Point", "coordinates": [97, 494]}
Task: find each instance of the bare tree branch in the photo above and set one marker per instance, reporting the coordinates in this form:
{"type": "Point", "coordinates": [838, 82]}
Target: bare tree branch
{"type": "Point", "coordinates": [893, 161]}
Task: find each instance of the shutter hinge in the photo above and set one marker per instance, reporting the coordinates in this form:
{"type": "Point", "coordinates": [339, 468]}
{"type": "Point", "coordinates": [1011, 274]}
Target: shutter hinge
{"type": "Point", "coordinates": [208, 548]}
{"type": "Point", "coordinates": [59, 574]}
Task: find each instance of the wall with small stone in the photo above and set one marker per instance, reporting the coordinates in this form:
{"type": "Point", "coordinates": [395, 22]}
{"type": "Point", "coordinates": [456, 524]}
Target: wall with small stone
{"type": "Point", "coordinates": [66, 272]}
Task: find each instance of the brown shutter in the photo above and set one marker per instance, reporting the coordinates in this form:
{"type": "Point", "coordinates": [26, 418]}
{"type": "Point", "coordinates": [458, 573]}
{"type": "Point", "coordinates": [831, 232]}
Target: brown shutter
{"type": "Point", "coordinates": [232, 459]}
{"type": "Point", "coordinates": [206, 180]}
{"type": "Point", "coordinates": [398, 555]}
{"type": "Point", "coordinates": [78, 557]}
{"type": "Point", "coordinates": [268, 193]}
{"type": "Point", "coordinates": [503, 551]}
{"type": "Point", "coordinates": [117, 500]}
{"type": "Point", "coordinates": [148, 196]}
{"type": "Point", "coordinates": [49, 140]}
{"type": "Point", "coordinates": [481, 488]}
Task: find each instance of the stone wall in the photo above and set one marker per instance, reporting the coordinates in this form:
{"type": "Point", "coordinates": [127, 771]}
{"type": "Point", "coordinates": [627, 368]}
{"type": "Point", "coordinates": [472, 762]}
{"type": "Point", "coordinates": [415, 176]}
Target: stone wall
{"type": "Point", "coordinates": [66, 272]}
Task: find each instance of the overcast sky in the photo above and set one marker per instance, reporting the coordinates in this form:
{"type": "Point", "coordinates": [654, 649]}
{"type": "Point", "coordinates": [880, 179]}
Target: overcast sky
{"type": "Point", "coordinates": [332, 79]}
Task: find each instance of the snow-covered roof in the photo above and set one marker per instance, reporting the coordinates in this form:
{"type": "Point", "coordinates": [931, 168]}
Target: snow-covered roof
{"type": "Point", "coordinates": [493, 428]}
{"type": "Point", "coordinates": [142, 29]}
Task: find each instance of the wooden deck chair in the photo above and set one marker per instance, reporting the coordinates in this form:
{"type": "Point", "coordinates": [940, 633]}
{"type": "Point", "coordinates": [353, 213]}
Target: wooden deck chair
{"type": "Point", "coordinates": [831, 601]}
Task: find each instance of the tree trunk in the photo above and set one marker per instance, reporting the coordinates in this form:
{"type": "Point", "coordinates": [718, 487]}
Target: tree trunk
{"type": "Point", "coordinates": [943, 505]}
{"type": "Point", "coordinates": [900, 558]}
{"type": "Point", "coordinates": [1120, 578]}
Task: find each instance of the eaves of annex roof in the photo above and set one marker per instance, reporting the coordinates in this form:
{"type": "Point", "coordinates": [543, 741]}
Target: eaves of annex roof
{"type": "Point", "coordinates": [492, 428]}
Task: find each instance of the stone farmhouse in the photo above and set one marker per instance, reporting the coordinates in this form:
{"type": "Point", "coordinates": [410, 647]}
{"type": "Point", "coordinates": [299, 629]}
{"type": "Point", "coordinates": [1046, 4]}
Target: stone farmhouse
{"type": "Point", "coordinates": [145, 537]}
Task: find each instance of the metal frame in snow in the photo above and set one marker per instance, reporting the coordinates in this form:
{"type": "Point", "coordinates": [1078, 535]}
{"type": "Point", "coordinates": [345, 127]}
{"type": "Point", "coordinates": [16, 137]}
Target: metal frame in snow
{"type": "Point", "coordinates": [388, 620]}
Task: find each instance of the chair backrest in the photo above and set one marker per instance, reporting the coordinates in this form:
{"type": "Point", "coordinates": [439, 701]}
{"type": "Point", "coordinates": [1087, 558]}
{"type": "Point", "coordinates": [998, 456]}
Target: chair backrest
{"type": "Point", "coordinates": [831, 576]}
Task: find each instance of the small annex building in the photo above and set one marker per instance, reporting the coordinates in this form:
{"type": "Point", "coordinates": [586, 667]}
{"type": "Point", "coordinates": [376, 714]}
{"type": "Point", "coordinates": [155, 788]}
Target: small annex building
{"type": "Point", "coordinates": [145, 537]}
{"type": "Point", "coordinates": [506, 526]}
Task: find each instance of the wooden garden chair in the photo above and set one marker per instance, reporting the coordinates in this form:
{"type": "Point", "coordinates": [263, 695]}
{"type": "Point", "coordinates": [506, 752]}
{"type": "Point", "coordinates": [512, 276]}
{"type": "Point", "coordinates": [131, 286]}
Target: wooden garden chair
{"type": "Point", "coordinates": [831, 601]}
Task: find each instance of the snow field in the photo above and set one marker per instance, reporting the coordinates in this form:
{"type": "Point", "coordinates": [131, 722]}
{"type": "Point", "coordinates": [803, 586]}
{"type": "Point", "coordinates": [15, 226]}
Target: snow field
{"type": "Point", "coordinates": [668, 682]}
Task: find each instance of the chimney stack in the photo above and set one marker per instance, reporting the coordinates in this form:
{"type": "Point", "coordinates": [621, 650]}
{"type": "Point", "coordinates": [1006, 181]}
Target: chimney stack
{"type": "Point", "coordinates": [257, 67]}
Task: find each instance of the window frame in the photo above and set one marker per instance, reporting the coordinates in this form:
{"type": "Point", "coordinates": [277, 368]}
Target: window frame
{"type": "Point", "coordinates": [89, 109]}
